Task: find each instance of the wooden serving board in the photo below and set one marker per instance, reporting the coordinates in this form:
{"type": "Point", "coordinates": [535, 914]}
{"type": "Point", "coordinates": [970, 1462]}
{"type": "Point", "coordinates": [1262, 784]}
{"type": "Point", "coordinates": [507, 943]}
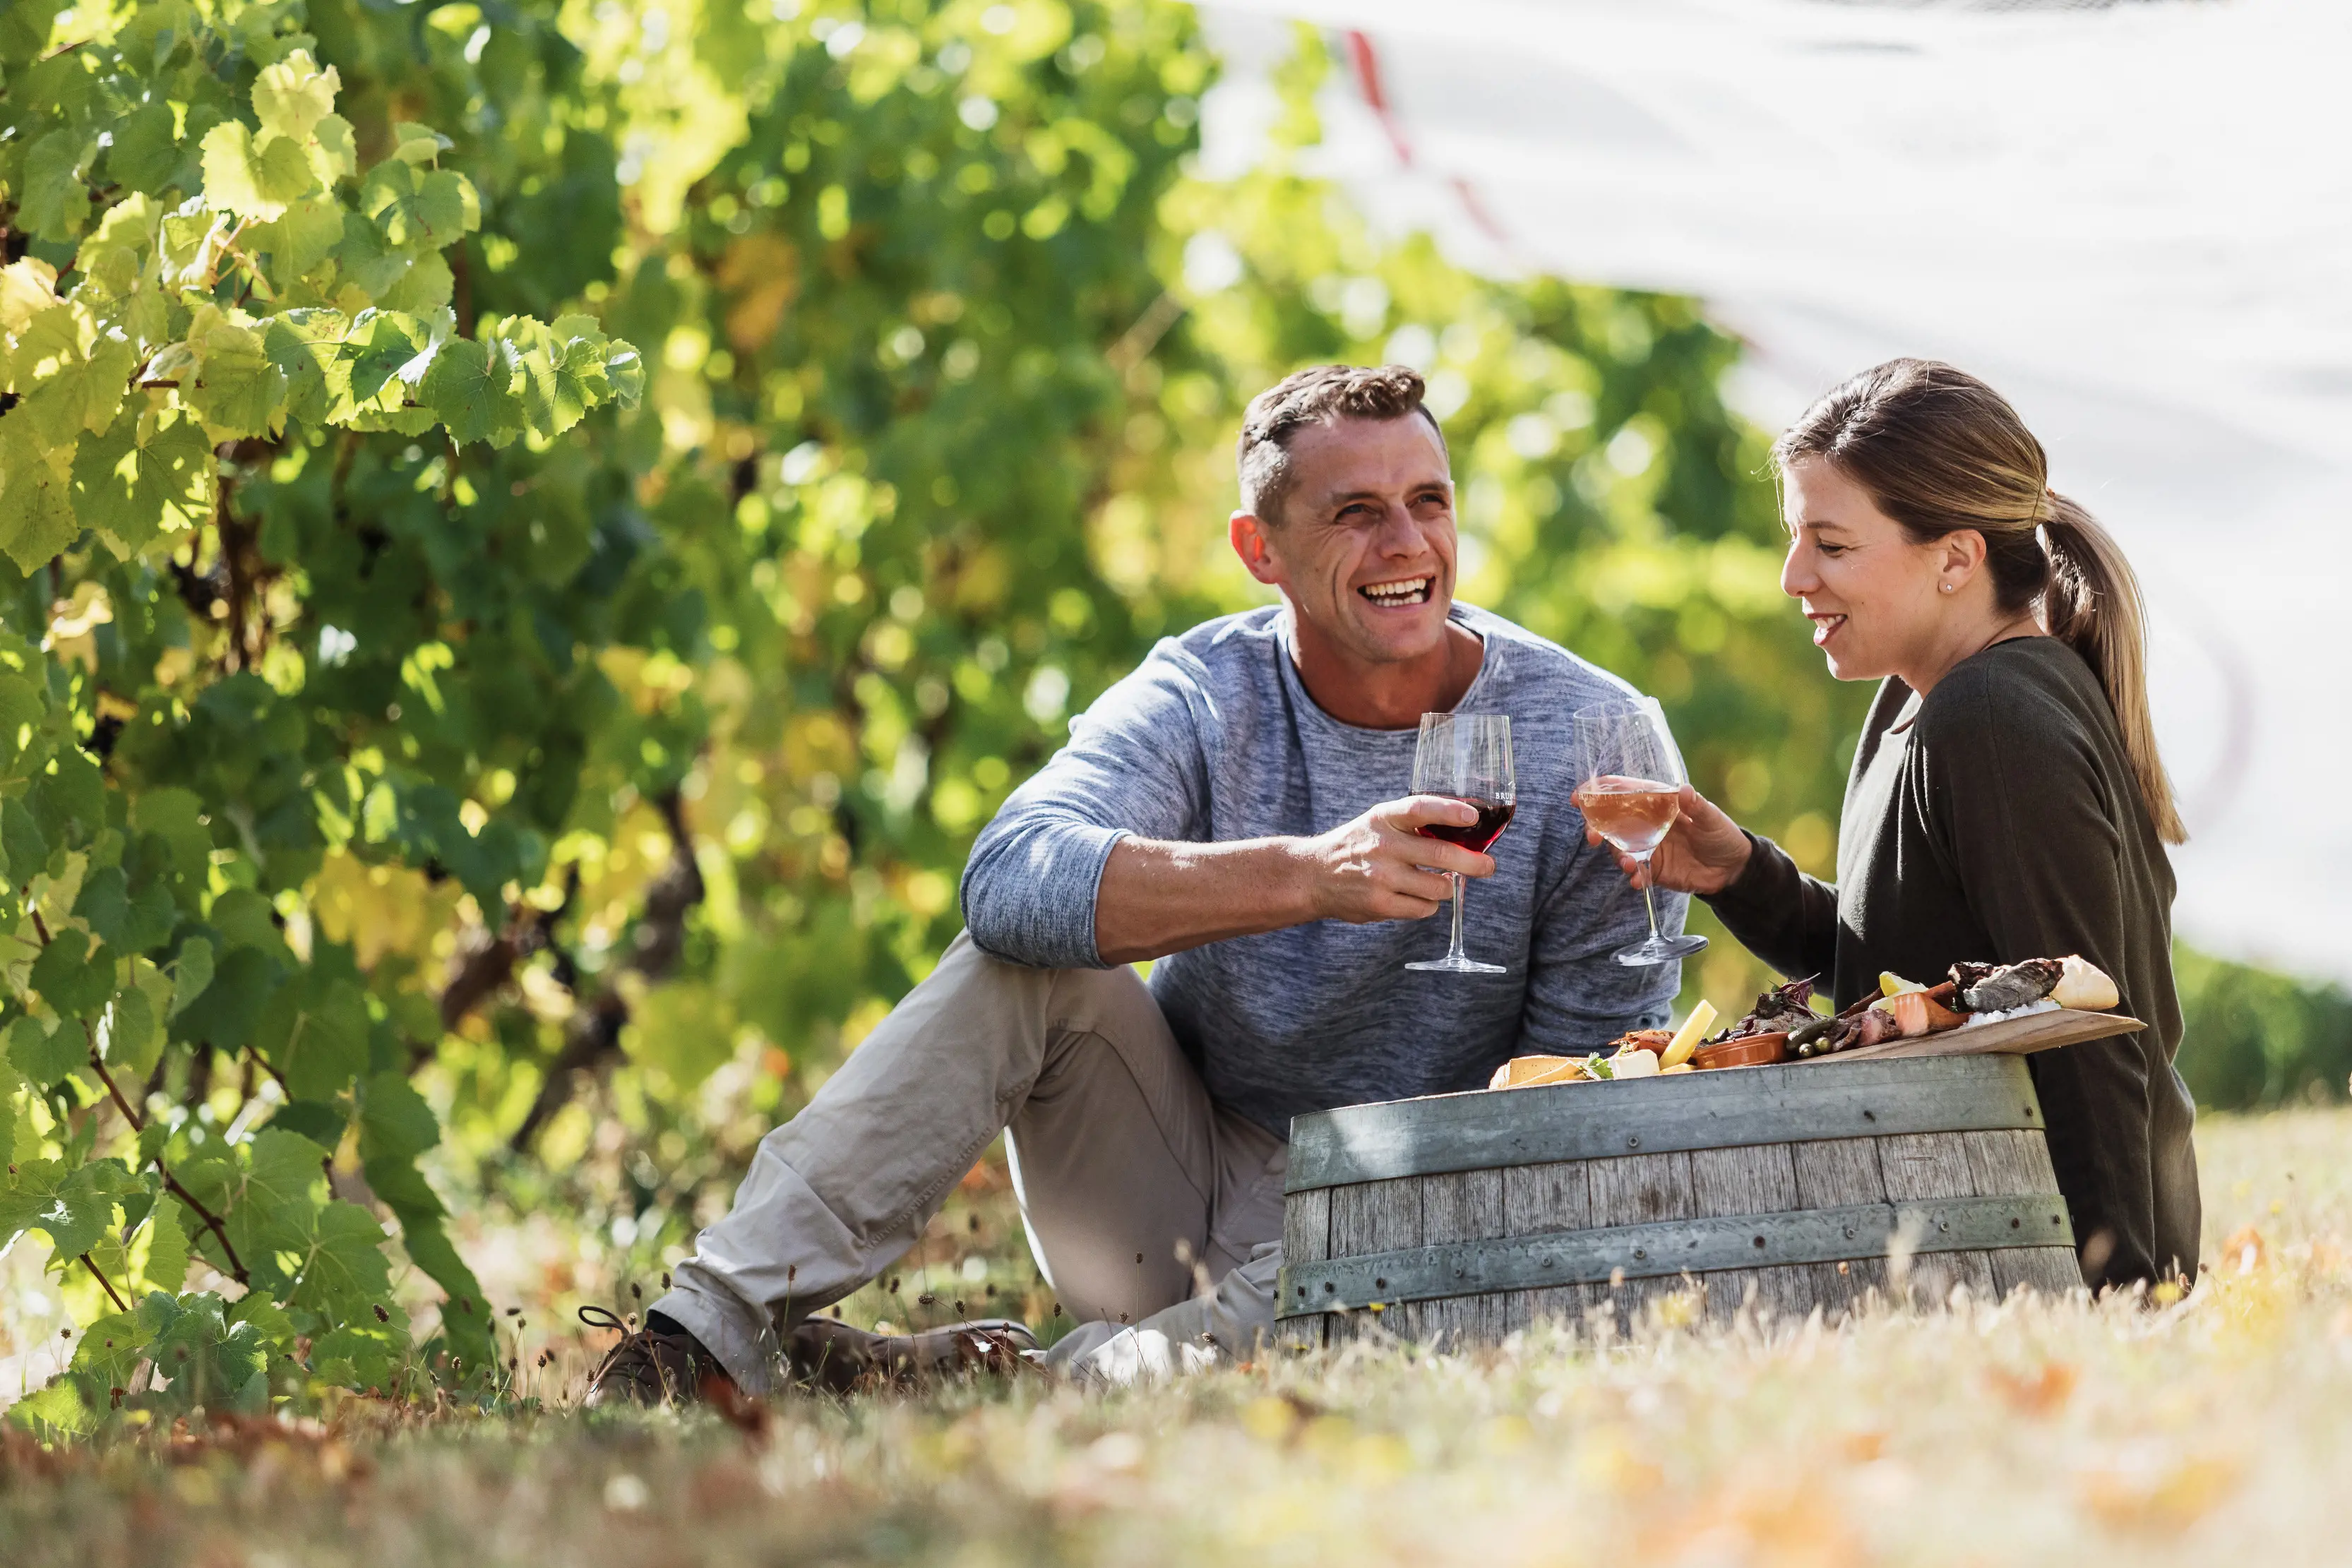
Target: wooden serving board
{"type": "Point", "coordinates": [2010, 1037]}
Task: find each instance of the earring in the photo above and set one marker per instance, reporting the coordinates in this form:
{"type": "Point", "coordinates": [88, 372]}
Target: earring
{"type": "Point", "coordinates": [1945, 585]}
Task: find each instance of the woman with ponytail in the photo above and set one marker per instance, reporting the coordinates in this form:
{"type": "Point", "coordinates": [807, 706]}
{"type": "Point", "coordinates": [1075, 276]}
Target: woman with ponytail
{"type": "Point", "coordinates": [2006, 801]}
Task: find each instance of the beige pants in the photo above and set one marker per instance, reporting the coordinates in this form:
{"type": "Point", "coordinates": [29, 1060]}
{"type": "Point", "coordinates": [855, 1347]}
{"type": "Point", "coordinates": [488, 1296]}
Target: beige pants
{"type": "Point", "coordinates": [1155, 1215]}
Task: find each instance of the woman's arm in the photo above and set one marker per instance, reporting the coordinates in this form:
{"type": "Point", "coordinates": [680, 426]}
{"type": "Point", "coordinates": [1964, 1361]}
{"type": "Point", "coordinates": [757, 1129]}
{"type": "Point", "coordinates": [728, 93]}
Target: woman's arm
{"type": "Point", "coordinates": [1784, 916]}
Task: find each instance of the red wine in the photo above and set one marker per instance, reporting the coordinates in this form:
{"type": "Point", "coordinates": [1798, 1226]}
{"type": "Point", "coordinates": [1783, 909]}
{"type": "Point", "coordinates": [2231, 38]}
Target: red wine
{"type": "Point", "coordinates": [1493, 816]}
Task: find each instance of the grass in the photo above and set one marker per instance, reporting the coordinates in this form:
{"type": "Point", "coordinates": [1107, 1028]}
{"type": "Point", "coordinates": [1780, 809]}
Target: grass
{"type": "Point", "coordinates": [2023, 1432]}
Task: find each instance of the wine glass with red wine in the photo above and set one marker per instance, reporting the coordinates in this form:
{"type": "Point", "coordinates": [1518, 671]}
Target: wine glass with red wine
{"type": "Point", "coordinates": [1468, 756]}
{"type": "Point", "coordinates": [1629, 786]}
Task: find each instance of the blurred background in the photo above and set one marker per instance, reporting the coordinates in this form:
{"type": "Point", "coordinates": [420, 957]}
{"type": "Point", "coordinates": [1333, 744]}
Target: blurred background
{"type": "Point", "coordinates": [951, 311]}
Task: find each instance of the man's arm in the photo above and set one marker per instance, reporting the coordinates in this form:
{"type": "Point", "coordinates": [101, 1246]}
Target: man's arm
{"type": "Point", "coordinates": [1160, 897]}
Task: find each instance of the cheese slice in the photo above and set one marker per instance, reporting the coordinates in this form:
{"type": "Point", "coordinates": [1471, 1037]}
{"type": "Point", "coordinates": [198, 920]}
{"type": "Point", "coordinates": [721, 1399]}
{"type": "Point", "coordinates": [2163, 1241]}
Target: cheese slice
{"type": "Point", "coordinates": [1678, 1050]}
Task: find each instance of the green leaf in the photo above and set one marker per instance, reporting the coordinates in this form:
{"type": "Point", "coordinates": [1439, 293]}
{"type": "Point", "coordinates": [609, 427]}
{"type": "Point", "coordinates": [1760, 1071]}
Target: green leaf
{"type": "Point", "coordinates": [167, 1247]}
{"type": "Point", "coordinates": [46, 1049]}
{"type": "Point", "coordinates": [417, 209]}
{"type": "Point", "coordinates": [469, 388]}
{"type": "Point", "coordinates": [56, 203]}
{"type": "Point", "coordinates": [292, 96]}
{"type": "Point", "coordinates": [224, 1013]}
{"type": "Point", "coordinates": [111, 1348]}
{"type": "Point", "coordinates": [129, 1036]}
{"type": "Point", "coordinates": [28, 847]}
{"type": "Point", "coordinates": [70, 372]}
{"type": "Point", "coordinates": [54, 1412]}
{"type": "Point", "coordinates": [74, 1207]}
{"type": "Point", "coordinates": [301, 241]}
{"type": "Point", "coordinates": [36, 518]}
{"type": "Point", "coordinates": [145, 153]}
{"type": "Point", "coordinates": [192, 972]}
{"type": "Point", "coordinates": [344, 1268]}
{"type": "Point", "coordinates": [414, 143]}
{"type": "Point", "coordinates": [149, 476]}
{"type": "Point", "coordinates": [177, 816]}
{"type": "Point", "coordinates": [72, 976]}
{"type": "Point", "coordinates": [314, 1031]}
{"type": "Point", "coordinates": [105, 904]}
{"type": "Point", "coordinates": [238, 391]}
{"type": "Point", "coordinates": [378, 345]}
{"type": "Point", "coordinates": [394, 1121]}
{"type": "Point", "coordinates": [306, 345]}
{"type": "Point", "coordinates": [254, 179]}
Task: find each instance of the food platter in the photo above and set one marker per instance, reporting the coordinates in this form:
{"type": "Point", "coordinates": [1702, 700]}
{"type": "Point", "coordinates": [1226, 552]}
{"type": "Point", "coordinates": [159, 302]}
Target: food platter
{"type": "Point", "coordinates": [2010, 1037]}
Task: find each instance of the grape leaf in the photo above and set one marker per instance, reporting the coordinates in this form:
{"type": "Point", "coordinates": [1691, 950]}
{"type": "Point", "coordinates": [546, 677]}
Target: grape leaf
{"type": "Point", "coordinates": [394, 1121]}
{"type": "Point", "coordinates": [254, 179]}
{"type": "Point", "coordinates": [414, 143]}
{"type": "Point", "coordinates": [238, 391]}
{"type": "Point", "coordinates": [129, 1036]}
{"type": "Point", "coordinates": [144, 154]}
{"type": "Point", "coordinates": [314, 1031]}
{"type": "Point", "coordinates": [343, 1270]}
{"type": "Point", "coordinates": [46, 1049]}
{"type": "Point", "coordinates": [177, 816]}
{"type": "Point", "coordinates": [469, 387]}
{"type": "Point", "coordinates": [192, 972]}
{"type": "Point", "coordinates": [299, 241]}
{"type": "Point", "coordinates": [36, 519]}
{"type": "Point", "coordinates": [56, 203]}
{"type": "Point", "coordinates": [70, 372]}
{"type": "Point", "coordinates": [378, 345]}
{"type": "Point", "coordinates": [74, 1207]}
{"type": "Point", "coordinates": [292, 96]}
{"type": "Point", "coordinates": [167, 1247]}
{"type": "Point", "coordinates": [149, 476]}
{"type": "Point", "coordinates": [307, 346]}
{"type": "Point", "coordinates": [73, 975]}
{"type": "Point", "coordinates": [111, 1348]}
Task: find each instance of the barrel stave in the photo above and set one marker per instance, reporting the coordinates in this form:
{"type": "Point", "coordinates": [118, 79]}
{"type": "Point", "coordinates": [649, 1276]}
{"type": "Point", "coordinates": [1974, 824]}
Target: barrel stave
{"type": "Point", "coordinates": [1990, 1146]}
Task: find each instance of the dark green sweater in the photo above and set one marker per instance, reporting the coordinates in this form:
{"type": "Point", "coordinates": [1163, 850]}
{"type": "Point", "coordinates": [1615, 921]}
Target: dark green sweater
{"type": "Point", "coordinates": [1998, 820]}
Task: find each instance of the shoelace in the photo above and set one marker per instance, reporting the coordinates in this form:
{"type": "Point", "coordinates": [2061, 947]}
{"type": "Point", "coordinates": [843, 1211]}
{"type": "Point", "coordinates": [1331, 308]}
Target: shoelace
{"type": "Point", "coordinates": [606, 1319]}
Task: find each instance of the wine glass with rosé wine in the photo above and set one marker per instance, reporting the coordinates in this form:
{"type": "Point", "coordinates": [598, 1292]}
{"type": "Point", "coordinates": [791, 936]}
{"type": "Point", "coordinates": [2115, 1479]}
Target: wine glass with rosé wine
{"type": "Point", "coordinates": [1629, 786]}
{"type": "Point", "coordinates": [1468, 756]}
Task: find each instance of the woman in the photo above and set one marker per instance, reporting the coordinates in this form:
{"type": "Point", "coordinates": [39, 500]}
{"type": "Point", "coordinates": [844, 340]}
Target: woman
{"type": "Point", "coordinates": [2006, 801]}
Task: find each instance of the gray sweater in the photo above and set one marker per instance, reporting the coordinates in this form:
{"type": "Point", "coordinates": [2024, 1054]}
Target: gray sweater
{"type": "Point", "coordinates": [1213, 738]}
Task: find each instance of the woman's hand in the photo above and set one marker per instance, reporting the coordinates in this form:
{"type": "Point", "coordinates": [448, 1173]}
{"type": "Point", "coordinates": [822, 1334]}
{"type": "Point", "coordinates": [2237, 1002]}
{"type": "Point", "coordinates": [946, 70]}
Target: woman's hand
{"type": "Point", "coordinates": [1704, 853]}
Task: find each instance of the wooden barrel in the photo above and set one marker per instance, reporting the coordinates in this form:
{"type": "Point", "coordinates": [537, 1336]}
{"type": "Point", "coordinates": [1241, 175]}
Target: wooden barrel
{"type": "Point", "coordinates": [1468, 1217]}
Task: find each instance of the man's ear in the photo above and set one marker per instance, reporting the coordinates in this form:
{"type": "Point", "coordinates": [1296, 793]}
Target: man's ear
{"type": "Point", "coordinates": [1252, 540]}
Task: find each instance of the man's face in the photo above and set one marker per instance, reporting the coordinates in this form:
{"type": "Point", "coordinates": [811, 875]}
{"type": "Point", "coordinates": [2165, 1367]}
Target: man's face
{"type": "Point", "coordinates": [1364, 550]}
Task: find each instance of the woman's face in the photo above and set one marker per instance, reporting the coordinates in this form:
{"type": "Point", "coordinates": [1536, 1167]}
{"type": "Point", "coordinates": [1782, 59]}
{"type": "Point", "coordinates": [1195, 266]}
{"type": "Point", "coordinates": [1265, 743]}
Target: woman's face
{"type": "Point", "coordinates": [1877, 599]}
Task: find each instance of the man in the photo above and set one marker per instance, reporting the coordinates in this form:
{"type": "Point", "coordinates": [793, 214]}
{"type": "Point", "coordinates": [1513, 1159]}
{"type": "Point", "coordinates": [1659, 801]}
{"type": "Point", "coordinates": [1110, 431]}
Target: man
{"type": "Point", "coordinates": [1236, 809]}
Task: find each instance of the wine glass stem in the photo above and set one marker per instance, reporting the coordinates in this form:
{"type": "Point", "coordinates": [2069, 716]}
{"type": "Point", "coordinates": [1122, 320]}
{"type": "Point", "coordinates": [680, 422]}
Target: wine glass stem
{"type": "Point", "coordinates": [1650, 897]}
{"type": "Point", "coordinates": [1456, 951]}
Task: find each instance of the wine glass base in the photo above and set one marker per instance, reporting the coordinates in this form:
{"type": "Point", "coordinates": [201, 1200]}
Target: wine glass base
{"type": "Point", "coordinates": [1660, 950]}
{"type": "Point", "coordinates": [1459, 967]}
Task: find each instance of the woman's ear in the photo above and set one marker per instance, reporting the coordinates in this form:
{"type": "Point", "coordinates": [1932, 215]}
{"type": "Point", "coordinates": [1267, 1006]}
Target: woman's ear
{"type": "Point", "coordinates": [1960, 556]}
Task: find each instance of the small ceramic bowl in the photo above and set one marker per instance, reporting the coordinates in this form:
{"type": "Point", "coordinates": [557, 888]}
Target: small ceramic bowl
{"type": "Point", "coordinates": [1749, 1050]}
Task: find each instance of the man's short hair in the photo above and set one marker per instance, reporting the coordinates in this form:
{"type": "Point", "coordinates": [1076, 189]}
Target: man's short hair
{"type": "Point", "coordinates": [1314, 396]}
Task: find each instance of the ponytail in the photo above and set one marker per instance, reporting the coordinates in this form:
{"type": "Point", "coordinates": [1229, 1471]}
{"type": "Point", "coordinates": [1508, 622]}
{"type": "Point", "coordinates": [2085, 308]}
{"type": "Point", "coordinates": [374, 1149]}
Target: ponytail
{"type": "Point", "coordinates": [1940, 451]}
{"type": "Point", "coordinates": [2092, 605]}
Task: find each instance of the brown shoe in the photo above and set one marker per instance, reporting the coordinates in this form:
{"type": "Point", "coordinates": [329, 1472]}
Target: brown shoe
{"type": "Point", "coordinates": [824, 1352]}
{"type": "Point", "coordinates": [652, 1365]}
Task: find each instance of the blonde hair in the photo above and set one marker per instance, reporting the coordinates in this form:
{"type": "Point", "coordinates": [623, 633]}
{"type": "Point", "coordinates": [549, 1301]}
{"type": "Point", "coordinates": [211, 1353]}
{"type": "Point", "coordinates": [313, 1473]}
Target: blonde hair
{"type": "Point", "coordinates": [1939, 451]}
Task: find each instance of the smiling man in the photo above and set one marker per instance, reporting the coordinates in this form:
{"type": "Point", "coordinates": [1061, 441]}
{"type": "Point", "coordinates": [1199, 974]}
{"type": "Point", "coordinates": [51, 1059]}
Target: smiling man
{"type": "Point", "coordinates": [1237, 810]}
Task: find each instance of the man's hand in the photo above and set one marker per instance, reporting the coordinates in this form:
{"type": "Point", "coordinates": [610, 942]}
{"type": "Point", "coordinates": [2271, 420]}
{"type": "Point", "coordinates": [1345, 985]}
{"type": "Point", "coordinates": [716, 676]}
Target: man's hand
{"type": "Point", "coordinates": [1158, 898]}
{"type": "Point", "coordinates": [1704, 853]}
{"type": "Point", "coordinates": [1372, 868]}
